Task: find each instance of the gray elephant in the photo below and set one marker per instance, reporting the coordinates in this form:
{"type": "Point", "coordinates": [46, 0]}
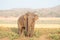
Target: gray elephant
{"type": "Point", "coordinates": [26, 24]}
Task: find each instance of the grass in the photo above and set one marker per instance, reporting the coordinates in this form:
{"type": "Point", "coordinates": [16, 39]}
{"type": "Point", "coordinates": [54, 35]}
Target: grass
{"type": "Point", "coordinates": [12, 33]}
{"type": "Point", "coordinates": [6, 32]}
{"type": "Point", "coordinates": [55, 35]}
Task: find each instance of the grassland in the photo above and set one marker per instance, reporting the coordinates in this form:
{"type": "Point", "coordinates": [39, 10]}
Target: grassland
{"type": "Point", "coordinates": [36, 25]}
{"type": "Point", "coordinates": [47, 22]}
{"type": "Point", "coordinates": [45, 29]}
{"type": "Point", "coordinates": [39, 34]}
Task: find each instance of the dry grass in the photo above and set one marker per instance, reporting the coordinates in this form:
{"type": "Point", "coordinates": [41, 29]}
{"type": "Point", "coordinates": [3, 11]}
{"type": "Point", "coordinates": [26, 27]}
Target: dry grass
{"type": "Point", "coordinates": [39, 34]}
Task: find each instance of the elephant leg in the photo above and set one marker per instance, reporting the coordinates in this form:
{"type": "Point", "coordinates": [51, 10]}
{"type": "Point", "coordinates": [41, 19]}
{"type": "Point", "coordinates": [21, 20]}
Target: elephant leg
{"type": "Point", "coordinates": [28, 31]}
{"type": "Point", "coordinates": [23, 31]}
{"type": "Point", "coordinates": [19, 29]}
{"type": "Point", "coordinates": [32, 31]}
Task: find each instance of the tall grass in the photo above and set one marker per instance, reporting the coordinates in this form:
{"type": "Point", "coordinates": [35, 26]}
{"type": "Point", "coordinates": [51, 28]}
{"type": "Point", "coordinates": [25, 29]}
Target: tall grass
{"type": "Point", "coordinates": [55, 35]}
{"type": "Point", "coordinates": [12, 33]}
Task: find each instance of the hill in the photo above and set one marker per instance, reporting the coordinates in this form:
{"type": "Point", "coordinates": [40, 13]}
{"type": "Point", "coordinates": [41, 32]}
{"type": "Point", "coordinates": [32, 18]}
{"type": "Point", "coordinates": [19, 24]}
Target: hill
{"type": "Point", "coordinates": [44, 12]}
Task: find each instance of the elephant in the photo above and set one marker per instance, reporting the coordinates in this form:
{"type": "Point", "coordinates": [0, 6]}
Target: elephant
{"type": "Point", "coordinates": [26, 24]}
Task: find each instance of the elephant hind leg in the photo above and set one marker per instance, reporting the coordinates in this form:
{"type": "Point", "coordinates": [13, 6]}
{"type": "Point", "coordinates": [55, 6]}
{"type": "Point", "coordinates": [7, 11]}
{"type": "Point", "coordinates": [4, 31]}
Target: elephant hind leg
{"type": "Point", "coordinates": [23, 30]}
{"type": "Point", "coordinates": [19, 31]}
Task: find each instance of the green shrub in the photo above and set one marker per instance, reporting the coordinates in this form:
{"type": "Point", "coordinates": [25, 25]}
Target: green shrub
{"type": "Point", "coordinates": [58, 31]}
{"type": "Point", "coordinates": [54, 36]}
{"type": "Point", "coordinates": [37, 33]}
{"type": "Point", "coordinates": [10, 35]}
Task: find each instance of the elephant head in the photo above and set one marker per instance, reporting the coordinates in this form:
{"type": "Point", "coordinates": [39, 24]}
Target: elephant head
{"type": "Point", "coordinates": [33, 15]}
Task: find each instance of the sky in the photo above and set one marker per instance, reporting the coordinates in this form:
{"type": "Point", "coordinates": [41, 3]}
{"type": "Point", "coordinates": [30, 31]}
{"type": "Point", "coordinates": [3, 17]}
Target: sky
{"type": "Point", "coordinates": [9, 4]}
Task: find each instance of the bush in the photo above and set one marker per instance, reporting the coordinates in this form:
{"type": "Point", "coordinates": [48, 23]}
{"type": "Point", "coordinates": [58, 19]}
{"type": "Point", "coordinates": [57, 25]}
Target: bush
{"type": "Point", "coordinates": [54, 36]}
{"type": "Point", "coordinates": [10, 35]}
{"type": "Point", "coordinates": [37, 33]}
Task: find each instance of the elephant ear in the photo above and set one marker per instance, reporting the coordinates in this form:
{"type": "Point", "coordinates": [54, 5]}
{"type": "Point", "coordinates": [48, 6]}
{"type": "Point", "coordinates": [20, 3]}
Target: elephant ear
{"type": "Point", "coordinates": [35, 16]}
